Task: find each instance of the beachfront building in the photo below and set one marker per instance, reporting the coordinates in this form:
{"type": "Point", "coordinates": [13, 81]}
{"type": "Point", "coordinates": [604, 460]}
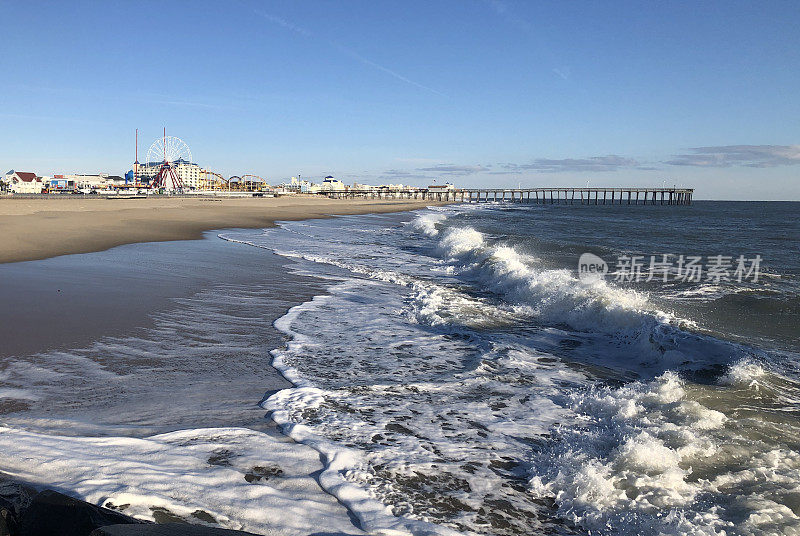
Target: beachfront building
{"type": "Point", "coordinates": [296, 185]}
{"type": "Point", "coordinates": [22, 182]}
{"type": "Point", "coordinates": [308, 187]}
{"type": "Point", "coordinates": [446, 187]}
{"type": "Point", "coordinates": [85, 180]}
{"type": "Point", "coordinates": [60, 183]}
{"type": "Point", "coordinates": [397, 187]}
{"type": "Point", "coordinates": [191, 175]}
{"type": "Point", "coordinates": [329, 184]}
{"type": "Point", "coordinates": [362, 187]}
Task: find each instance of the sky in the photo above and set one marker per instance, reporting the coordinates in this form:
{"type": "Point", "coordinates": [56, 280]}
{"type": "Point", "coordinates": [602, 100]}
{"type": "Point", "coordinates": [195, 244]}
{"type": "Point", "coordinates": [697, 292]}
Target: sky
{"type": "Point", "coordinates": [479, 93]}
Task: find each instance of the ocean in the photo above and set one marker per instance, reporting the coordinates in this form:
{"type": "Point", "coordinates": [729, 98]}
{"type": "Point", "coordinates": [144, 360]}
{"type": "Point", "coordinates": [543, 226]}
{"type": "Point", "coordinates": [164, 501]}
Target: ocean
{"type": "Point", "coordinates": [459, 370]}
{"type": "Point", "coordinates": [452, 372]}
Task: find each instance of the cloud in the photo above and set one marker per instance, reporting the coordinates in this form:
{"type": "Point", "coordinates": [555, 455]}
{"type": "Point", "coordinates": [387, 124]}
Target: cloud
{"type": "Point", "coordinates": [540, 165]}
{"type": "Point", "coordinates": [399, 174]}
{"type": "Point", "coordinates": [757, 156]}
{"type": "Point", "coordinates": [450, 169]}
{"type": "Point", "coordinates": [592, 164]}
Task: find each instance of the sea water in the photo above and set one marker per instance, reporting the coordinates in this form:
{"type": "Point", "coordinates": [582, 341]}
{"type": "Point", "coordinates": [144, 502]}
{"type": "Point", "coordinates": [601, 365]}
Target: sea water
{"type": "Point", "coordinates": [450, 373]}
{"type": "Point", "coordinates": [458, 375]}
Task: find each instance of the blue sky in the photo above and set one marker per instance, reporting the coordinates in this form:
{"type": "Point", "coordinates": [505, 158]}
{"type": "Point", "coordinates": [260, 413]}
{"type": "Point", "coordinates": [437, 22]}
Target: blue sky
{"type": "Point", "coordinates": [493, 93]}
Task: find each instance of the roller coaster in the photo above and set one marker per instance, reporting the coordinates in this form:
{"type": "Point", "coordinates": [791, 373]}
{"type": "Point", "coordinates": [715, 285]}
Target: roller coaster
{"type": "Point", "coordinates": [240, 183]}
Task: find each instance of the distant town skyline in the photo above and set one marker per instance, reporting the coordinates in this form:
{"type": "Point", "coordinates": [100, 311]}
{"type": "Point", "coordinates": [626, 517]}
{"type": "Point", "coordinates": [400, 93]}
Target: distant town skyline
{"type": "Point", "coordinates": [489, 93]}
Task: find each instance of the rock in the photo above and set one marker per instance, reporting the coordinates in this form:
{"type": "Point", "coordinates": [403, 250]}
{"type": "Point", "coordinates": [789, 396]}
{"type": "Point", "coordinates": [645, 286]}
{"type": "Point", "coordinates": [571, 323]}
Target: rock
{"type": "Point", "coordinates": [8, 518]}
{"type": "Point", "coordinates": [53, 514]}
{"type": "Point", "coordinates": [49, 513]}
{"type": "Point", "coordinates": [15, 495]}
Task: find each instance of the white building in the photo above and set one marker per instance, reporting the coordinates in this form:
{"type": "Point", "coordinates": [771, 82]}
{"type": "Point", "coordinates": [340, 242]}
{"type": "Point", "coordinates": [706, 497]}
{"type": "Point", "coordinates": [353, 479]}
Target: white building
{"type": "Point", "coordinates": [296, 185]}
{"type": "Point", "coordinates": [87, 180]}
{"type": "Point", "coordinates": [441, 187]}
{"type": "Point", "coordinates": [21, 182]}
{"type": "Point", "coordinates": [191, 175]}
{"type": "Point", "coordinates": [329, 184]}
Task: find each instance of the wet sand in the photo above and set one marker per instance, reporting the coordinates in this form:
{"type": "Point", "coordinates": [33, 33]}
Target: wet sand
{"type": "Point", "coordinates": [90, 286]}
{"type": "Point", "coordinates": [39, 228]}
{"type": "Point", "coordinates": [144, 338]}
{"type": "Point", "coordinates": [101, 351]}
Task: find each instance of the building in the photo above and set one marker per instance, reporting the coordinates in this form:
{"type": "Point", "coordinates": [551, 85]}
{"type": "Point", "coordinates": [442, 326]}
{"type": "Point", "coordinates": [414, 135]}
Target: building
{"type": "Point", "coordinates": [308, 187]}
{"type": "Point", "coordinates": [85, 180]}
{"type": "Point", "coordinates": [329, 184]}
{"type": "Point", "coordinates": [446, 187]}
{"type": "Point", "coordinates": [191, 175]}
{"type": "Point", "coordinates": [295, 185]}
{"type": "Point", "coordinates": [21, 182]}
{"type": "Point", "coordinates": [61, 183]}
{"type": "Point", "coordinates": [115, 180]}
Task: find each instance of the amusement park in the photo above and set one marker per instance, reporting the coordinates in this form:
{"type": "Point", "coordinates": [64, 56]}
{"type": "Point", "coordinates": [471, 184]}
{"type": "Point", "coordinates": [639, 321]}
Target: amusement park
{"type": "Point", "coordinates": [170, 168]}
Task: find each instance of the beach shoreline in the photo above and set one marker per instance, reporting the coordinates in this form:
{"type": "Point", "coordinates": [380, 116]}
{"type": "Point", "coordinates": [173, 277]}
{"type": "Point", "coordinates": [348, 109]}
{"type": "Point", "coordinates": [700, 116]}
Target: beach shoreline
{"type": "Point", "coordinates": [156, 351]}
{"type": "Point", "coordinates": [40, 228]}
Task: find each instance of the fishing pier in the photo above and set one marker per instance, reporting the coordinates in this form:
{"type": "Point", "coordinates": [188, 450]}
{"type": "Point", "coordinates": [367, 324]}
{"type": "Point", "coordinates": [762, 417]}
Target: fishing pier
{"type": "Point", "coordinates": [581, 196]}
{"type": "Point", "coordinates": [538, 196]}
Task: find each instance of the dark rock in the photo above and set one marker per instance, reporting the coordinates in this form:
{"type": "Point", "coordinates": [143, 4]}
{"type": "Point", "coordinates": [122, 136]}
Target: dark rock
{"type": "Point", "coordinates": [8, 519]}
{"type": "Point", "coordinates": [54, 514]}
{"type": "Point", "coordinates": [168, 529]}
{"type": "Point", "coordinates": [265, 472]}
{"type": "Point", "coordinates": [15, 495]}
{"type": "Point", "coordinates": [163, 515]}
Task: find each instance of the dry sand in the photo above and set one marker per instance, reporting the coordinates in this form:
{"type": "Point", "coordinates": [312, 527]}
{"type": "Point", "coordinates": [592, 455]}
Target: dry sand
{"type": "Point", "coordinates": [39, 228]}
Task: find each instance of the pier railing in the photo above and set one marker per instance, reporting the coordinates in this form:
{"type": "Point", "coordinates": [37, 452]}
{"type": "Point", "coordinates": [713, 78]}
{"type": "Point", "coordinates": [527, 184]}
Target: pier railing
{"type": "Point", "coordinates": [550, 196]}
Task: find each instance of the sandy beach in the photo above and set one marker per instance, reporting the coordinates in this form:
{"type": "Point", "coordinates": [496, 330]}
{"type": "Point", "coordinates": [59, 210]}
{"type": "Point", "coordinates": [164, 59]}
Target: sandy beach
{"type": "Point", "coordinates": [39, 228]}
{"type": "Point", "coordinates": [149, 352]}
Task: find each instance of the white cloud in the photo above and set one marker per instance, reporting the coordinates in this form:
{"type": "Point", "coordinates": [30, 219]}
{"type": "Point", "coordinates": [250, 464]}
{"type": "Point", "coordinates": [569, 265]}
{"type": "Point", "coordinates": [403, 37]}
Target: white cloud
{"type": "Point", "coordinates": [593, 164]}
{"type": "Point", "coordinates": [451, 169]}
{"type": "Point", "coordinates": [739, 155]}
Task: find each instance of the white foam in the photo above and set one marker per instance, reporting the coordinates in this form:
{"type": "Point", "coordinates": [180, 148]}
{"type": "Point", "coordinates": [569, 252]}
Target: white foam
{"type": "Point", "coordinates": [173, 471]}
{"type": "Point", "coordinates": [427, 221]}
{"type": "Point", "coordinates": [374, 393]}
{"type": "Point", "coordinates": [459, 241]}
{"type": "Point", "coordinates": [653, 448]}
{"type": "Point", "coordinates": [373, 516]}
{"type": "Point", "coordinates": [745, 373]}
{"type": "Point", "coordinates": [19, 394]}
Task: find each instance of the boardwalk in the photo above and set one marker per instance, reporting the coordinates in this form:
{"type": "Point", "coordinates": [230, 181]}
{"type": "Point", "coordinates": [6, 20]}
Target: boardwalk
{"type": "Point", "coordinates": [549, 196]}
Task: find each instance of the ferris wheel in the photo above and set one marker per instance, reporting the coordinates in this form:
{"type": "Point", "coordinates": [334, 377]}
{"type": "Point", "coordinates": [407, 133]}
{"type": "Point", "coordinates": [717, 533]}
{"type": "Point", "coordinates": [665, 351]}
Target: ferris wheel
{"type": "Point", "coordinates": [162, 157]}
{"type": "Point", "coordinates": [168, 149]}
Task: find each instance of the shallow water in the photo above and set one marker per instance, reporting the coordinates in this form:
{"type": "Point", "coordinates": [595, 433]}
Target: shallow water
{"type": "Point", "coordinates": [151, 407]}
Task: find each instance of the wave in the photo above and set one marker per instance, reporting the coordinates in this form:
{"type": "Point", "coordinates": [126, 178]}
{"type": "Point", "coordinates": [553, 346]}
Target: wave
{"type": "Point", "coordinates": [426, 222]}
{"type": "Point", "coordinates": [424, 380]}
{"type": "Point", "coordinates": [652, 338]}
{"type": "Point", "coordinates": [668, 457]}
